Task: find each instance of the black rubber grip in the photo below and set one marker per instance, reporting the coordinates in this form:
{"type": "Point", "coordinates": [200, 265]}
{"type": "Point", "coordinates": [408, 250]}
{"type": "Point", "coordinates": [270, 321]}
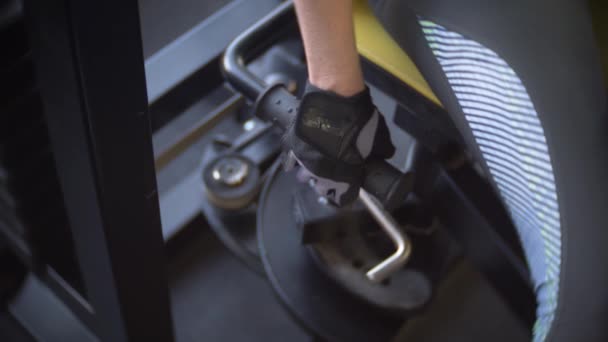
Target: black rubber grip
{"type": "Point", "coordinates": [277, 105]}
{"type": "Point", "coordinates": [382, 180]}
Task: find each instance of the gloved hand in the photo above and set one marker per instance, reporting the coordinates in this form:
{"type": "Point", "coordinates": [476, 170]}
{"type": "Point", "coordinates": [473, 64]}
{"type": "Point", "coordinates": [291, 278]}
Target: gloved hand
{"type": "Point", "coordinates": [331, 138]}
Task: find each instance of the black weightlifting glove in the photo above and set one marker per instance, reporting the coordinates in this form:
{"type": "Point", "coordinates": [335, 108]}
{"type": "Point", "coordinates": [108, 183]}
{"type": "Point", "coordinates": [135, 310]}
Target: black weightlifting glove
{"type": "Point", "coordinates": [332, 137]}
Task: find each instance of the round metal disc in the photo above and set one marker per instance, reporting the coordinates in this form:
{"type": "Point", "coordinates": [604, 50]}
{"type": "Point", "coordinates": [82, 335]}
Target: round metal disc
{"type": "Point", "coordinates": [314, 299]}
{"type": "Point", "coordinates": [230, 171]}
{"type": "Point", "coordinates": [345, 260]}
{"type": "Point", "coordinates": [231, 181]}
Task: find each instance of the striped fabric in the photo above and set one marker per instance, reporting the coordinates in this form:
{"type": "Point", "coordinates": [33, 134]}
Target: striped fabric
{"type": "Point", "coordinates": [510, 136]}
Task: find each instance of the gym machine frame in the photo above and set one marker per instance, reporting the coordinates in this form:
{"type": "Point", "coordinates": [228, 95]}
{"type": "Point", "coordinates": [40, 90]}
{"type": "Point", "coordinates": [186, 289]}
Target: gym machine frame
{"type": "Point", "coordinates": [100, 131]}
{"type": "Point", "coordinates": [90, 68]}
{"type": "Point", "coordinates": [65, 69]}
{"type": "Point", "coordinates": [461, 199]}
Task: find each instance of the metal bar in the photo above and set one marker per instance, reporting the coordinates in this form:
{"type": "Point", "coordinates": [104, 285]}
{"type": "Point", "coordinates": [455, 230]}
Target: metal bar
{"type": "Point", "coordinates": [186, 94]}
{"type": "Point", "coordinates": [55, 323]}
{"type": "Point", "coordinates": [90, 68]}
{"type": "Point", "coordinates": [71, 298]}
{"type": "Point", "coordinates": [403, 245]}
{"type": "Point", "coordinates": [242, 141]}
{"type": "Point", "coordinates": [248, 43]}
{"type": "Point", "coordinates": [180, 205]}
{"type": "Point", "coordinates": [170, 151]}
{"type": "Point", "coordinates": [203, 43]}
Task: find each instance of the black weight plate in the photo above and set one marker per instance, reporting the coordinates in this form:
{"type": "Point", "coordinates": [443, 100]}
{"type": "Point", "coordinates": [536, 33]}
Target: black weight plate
{"type": "Point", "coordinates": [348, 242]}
{"type": "Point", "coordinates": [309, 295]}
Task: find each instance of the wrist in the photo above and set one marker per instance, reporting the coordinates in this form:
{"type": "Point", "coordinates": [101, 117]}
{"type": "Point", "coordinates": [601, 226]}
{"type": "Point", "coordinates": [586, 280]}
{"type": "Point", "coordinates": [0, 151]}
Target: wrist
{"type": "Point", "coordinates": [341, 85]}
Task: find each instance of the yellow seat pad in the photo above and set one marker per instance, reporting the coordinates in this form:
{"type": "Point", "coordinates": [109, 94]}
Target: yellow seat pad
{"type": "Point", "coordinates": [376, 45]}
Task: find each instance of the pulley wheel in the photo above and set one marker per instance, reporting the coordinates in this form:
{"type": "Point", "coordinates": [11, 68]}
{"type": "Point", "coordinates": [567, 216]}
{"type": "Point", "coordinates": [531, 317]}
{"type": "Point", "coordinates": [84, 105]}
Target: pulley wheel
{"type": "Point", "coordinates": [231, 181]}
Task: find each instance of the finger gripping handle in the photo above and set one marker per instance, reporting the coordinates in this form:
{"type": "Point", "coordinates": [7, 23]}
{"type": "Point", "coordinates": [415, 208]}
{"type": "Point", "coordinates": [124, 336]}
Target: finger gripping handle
{"type": "Point", "coordinates": [382, 180]}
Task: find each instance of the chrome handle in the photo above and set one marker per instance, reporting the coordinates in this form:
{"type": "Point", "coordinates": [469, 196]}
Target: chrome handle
{"type": "Point", "coordinates": [401, 241]}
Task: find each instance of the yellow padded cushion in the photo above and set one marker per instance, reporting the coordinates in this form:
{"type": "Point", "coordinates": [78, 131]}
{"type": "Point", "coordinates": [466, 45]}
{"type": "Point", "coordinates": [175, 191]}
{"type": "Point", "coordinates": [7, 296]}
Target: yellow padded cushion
{"type": "Point", "coordinates": [376, 45]}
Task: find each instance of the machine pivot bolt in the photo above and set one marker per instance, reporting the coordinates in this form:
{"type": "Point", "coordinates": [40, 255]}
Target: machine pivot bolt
{"type": "Point", "coordinates": [230, 171]}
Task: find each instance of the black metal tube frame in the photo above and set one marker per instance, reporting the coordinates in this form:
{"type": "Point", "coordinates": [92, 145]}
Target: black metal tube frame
{"type": "Point", "coordinates": [90, 68]}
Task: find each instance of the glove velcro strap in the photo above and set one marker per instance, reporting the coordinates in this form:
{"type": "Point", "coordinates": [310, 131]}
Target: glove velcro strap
{"type": "Point", "coordinates": [325, 167]}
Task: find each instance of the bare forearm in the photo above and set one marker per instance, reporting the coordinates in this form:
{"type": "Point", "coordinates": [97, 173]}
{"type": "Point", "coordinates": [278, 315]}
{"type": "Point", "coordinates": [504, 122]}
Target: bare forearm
{"type": "Point", "coordinates": [329, 42]}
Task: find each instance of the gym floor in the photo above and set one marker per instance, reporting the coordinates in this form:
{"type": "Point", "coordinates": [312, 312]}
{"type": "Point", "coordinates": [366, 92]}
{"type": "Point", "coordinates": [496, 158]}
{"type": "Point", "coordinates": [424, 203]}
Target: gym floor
{"type": "Point", "coordinates": [216, 298]}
